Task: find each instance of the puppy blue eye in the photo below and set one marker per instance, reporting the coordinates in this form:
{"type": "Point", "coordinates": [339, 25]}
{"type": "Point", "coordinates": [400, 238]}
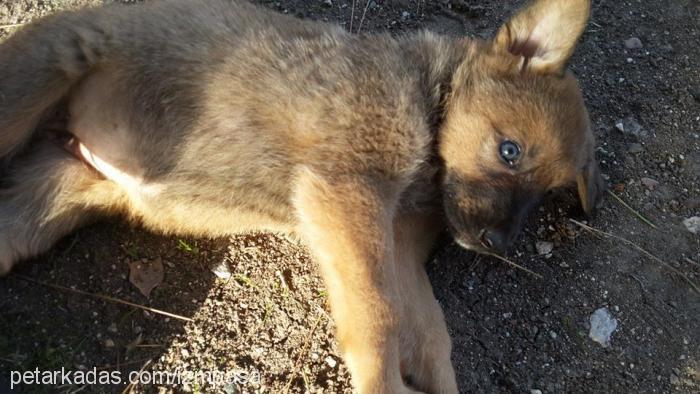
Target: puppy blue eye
{"type": "Point", "coordinates": [510, 152]}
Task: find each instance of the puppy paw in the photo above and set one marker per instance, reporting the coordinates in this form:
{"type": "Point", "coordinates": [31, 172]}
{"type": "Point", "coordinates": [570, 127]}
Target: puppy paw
{"type": "Point", "coordinates": [428, 367]}
{"type": "Point", "coordinates": [7, 257]}
{"type": "Point", "coordinates": [5, 266]}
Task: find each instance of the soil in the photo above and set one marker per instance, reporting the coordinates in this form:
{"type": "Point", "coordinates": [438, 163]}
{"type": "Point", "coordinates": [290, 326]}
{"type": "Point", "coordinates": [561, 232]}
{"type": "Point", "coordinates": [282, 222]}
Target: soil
{"type": "Point", "coordinates": [513, 332]}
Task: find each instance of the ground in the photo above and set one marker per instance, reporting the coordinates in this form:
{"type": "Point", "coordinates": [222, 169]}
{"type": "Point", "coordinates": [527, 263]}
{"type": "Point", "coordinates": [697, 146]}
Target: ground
{"type": "Point", "coordinates": [513, 332]}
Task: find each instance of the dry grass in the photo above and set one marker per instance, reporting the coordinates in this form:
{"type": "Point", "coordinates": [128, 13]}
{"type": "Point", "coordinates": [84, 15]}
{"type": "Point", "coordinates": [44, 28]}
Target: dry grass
{"type": "Point", "coordinates": [640, 249]}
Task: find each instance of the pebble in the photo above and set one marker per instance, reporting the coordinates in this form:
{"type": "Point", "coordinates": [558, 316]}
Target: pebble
{"type": "Point", "coordinates": [674, 380]}
{"type": "Point", "coordinates": [544, 247]}
{"type": "Point", "coordinates": [331, 362]}
{"type": "Point", "coordinates": [633, 43]}
{"type": "Point", "coordinates": [630, 126]}
{"type": "Point", "coordinates": [692, 224]}
{"type": "Point", "coordinates": [231, 388]}
{"type": "Point", "coordinates": [222, 270]}
{"type": "Point", "coordinates": [635, 148]}
{"type": "Point", "coordinates": [695, 92]}
{"type": "Point", "coordinates": [602, 326]}
{"type": "Point", "coordinates": [535, 391]}
{"type": "Point", "coordinates": [109, 343]}
{"type": "Point", "coordinates": [112, 327]}
{"type": "Point", "coordinates": [650, 183]}
{"type": "Point", "coordinates": [693, 203]}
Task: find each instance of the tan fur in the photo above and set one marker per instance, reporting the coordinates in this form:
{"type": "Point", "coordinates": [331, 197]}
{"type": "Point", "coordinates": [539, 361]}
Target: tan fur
{"type": "Point", "coordinates": [213, 117]}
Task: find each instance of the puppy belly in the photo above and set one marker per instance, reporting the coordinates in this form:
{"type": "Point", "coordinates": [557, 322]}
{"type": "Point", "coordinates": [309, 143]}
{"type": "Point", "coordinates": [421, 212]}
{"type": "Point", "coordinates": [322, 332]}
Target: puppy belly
{"type": "Point", "coordinates": [120, 146]}
{"type": "Point", "coordinates": [170, 214]}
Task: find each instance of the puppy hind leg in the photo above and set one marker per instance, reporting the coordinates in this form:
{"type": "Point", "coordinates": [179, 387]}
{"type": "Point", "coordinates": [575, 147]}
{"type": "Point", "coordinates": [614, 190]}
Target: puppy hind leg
{"type": "Point", "coordinates": [44, 195]}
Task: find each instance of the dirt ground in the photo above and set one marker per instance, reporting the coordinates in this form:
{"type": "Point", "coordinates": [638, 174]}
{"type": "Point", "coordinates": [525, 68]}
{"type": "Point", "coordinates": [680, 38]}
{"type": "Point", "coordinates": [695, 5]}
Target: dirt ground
{"type": "Point", "coordinates": [512, 331]}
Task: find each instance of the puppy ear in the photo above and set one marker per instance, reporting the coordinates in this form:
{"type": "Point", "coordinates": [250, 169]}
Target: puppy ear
{"type": "Point", "coordinates": [591, 187]}
{"type": "Point", "coordinates": [544, 34]}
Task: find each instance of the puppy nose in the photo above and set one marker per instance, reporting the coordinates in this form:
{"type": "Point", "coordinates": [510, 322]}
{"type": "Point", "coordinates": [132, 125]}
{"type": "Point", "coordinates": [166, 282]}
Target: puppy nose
{"type": "Point", "coordinates": [494, 240]}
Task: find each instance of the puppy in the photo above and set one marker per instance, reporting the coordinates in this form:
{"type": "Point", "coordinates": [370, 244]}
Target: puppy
{"type": "Point", "coordinates": [212, 117]}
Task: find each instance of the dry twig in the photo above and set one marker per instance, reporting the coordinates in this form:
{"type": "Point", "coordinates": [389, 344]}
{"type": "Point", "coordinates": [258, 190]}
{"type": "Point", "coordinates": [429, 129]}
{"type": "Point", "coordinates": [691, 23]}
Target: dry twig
{"type": "Point", "coordinates": [304, 349]}
{"type": "Point", "coordinates": [130, 387]}
{"type": "Point", "coordinates": [640, 249]}
{"type": "Point", "coordinates": [518, 266]}
{"type": "Point", "coordinates": [11, 26]}
{"type": "Point", "coordinates": [634, 211]}
{"type": "Point", "coordinates": [362, 20]}
{"type": "Point", "coordinates": [352, 15]}
{"type": "Point", "coordinates": [104, 297]}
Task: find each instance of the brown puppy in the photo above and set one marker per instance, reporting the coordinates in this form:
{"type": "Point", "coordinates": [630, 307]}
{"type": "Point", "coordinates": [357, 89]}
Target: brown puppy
{"type": "Point", "coordinates": [212, 117]}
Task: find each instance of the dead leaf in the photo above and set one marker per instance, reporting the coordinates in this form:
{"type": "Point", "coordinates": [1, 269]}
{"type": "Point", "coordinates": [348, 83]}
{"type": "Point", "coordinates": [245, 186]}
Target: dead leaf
{"type": "Point", "coordinates": [146, 275]}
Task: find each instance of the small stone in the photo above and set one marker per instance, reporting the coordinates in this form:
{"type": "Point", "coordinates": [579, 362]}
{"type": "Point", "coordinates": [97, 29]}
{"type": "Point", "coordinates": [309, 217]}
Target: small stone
{"type": "Point", "coordinates": [693, 203]}
{"type": "Point", "coordinates": [695, 92]}
{"type": "Point", "coordinates": [633, 43]}
{"type": "Point", "coordinates": [231, 388]}
{"type": "Point", "coordinates": [109, 343]}
{"type": "Point", "coordinates": [635, 148]}
{"type": "Point", "coordinates": [185, 353]}
{"type": "Point", "coordinates": [112, 327]}
{"type": "Point", "coordinates": [602, 326]}
{"type": "Point", "coordinates": [405, 15]}
{"type": "Point", "coordinates": [631, 127]}
{"type": "Point", "coordinates": [544, 247]}
{"type": "Point", "coordinates": [675, 380]}
{"type": "Point", "coordinates": [535, 391]}
{"type": "Point", "coordinates": [692, 224]}
{"type": "Point", "coordinates": [222, 270]}
{"type": "Point", "coordinates": [331, 362]}
{"type": "Point", "coordinates": [328, 2]}
{"type": "Point", "coordinates": [650, 183]}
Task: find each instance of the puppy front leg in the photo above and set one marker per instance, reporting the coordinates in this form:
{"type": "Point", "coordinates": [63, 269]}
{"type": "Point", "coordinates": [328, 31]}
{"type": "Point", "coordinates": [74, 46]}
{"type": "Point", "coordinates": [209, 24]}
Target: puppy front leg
{"type": "Point", "coordinates": [347, 225]}
{"type": "Point", "coordinates": [425, 343]}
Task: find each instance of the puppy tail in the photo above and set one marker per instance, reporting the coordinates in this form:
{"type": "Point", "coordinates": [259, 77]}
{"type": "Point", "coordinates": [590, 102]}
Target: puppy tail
{"type": "Point", "coordinates": [38, 66]}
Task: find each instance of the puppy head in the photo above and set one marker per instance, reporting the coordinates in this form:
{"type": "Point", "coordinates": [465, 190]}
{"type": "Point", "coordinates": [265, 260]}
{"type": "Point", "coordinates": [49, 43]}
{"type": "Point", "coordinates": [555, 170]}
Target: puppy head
{"type": "Point", "coordinates": [516, 126]}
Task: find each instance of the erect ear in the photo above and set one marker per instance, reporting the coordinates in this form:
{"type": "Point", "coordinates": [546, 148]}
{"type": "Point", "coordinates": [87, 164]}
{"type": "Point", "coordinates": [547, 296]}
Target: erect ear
{"type": "Point", "coordinates": [544, 33]}
{"type": "Point", "coordinates": [591, 187]}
